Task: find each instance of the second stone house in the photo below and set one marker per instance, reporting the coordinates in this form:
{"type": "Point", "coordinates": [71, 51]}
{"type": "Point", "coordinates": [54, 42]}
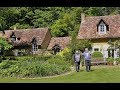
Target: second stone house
{"type": "Point", "coordinates": [32, 41]}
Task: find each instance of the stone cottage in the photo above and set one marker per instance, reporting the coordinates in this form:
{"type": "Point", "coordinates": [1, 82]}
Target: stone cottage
{"type": "Point", "coordinates": [100, 30]}
{"type": "Point", "coordinates": [30, 41]}
{"type": "Point", "coordinates": [62, 42]}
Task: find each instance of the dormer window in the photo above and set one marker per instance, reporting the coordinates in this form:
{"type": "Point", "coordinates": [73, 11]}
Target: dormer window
{"type": "Point", "coordinates": [102, 27]}
{"type": "Point", "coordinates": [13, 37]}
{"type": "Point", "coordinates": [34, 45]}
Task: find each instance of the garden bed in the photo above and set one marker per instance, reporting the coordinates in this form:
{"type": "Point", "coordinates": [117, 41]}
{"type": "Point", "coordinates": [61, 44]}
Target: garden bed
{"type": "Point", "coordinates": [37, 66]}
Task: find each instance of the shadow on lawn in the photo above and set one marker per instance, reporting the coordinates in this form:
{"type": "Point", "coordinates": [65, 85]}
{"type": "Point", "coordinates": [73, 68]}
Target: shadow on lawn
{"type": "Point", "coordinates": [92, 70]}
{"type": "Point", "coordinates": [85, 70]}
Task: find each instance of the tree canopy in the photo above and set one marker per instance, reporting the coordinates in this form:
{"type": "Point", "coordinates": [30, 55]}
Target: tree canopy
{"type": "Point", "coordinates": [61, 20]}
{"type": "Point", "coordinates": [4, 44]}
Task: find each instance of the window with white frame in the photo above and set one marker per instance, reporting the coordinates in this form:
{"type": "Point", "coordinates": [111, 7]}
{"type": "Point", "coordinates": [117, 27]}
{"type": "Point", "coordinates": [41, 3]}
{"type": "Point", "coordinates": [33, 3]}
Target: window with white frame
{"type": "Point", "coordinates": [102, 28]}
{"type": "Point", "coordinates": [35, 47]}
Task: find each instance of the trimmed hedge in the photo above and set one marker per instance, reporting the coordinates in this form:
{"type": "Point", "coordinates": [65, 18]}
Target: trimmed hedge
{"type": "Point", "coordinates": [97, 54]}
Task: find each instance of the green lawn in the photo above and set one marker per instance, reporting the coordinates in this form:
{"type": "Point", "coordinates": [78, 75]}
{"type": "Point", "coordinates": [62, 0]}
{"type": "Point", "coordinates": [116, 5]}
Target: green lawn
{"type": "Point", "coordinates": [99, 74]}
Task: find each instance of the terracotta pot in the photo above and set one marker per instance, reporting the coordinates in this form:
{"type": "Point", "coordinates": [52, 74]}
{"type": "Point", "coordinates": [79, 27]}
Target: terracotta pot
{"type": "Point", "coordinates": [110, 63]}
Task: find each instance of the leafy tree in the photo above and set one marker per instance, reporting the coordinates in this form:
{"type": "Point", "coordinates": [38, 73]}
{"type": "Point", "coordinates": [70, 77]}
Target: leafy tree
{"type": "Point", "coordinates": [61, 20]}
{"type": "Point", "coordinates": [4, 44]}
{"type": "Point", "coordinates": [21, 26]}
{"type": "Point", "coordinates": [59, 28]}
{"type": "Point", "coordinates": [42, 18]}
{"type": "Point", "coordinates": [115, 43]}
{"type": "Point", "coordinates": [79, 44]}
{"type": "Point", "coordinates": [2, 24]}
{"type": "Point", "coordinates": [62, 27]}
{"type": "Point", "coordinates": [93, 11]}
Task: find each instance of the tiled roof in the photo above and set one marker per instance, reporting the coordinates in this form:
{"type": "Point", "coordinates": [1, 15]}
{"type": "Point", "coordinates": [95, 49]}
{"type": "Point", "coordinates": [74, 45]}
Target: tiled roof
{"type": "Point", "coordinates": [62, 41]}
{"type": "Point", "coordinates": [88, 28]}
{"type": "Point", "coordinates": [26, 35]}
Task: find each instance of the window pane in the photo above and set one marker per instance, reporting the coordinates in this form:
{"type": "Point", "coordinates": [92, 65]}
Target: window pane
{"type": "Point", "coordinates": [96, 49]}
{"type": "Point", "coordinates": [102, 28]}
{"type": "Point", "coordinates": [35, 47]}
{"type": "Point", "coordinates": [13, 39]}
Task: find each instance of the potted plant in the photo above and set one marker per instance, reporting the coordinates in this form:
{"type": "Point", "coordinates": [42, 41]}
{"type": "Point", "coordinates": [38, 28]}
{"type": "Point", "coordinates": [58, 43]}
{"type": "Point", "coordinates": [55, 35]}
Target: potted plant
{"type": "Point", "coordinates": [110, 60]}
{"type": "Point", "coordinates": [117, 61]}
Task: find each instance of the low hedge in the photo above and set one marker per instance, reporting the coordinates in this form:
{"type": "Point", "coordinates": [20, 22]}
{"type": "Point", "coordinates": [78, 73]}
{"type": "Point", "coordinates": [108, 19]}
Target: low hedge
{"type": "Point", "coordinates": [97, 54]}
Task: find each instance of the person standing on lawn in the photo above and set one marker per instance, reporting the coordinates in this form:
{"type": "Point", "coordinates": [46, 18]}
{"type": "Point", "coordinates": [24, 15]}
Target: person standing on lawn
{"type": "Point", "coordinates": [87, 58]}
{"type": "Point", "coordinates": [77, 58]}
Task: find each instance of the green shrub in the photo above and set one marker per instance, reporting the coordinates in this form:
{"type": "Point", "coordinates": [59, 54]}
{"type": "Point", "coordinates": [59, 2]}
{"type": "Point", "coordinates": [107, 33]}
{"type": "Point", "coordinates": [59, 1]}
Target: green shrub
{"type": "Point", "coordinates": [110, 59]}
{"type": "Point", "coordinates": [5, 64]}
{"type": "Point", "coordinates": [67, 55]}
{"type": "Point", "coordinates": [117, 59]}
{"type": "Point", "coordinates": [35, 57]}
{"type": "Point", "coordinates": [97, 54]}
{"type": "Point", "coordinates": [33, 66]}
{"type": "Point", "coordinates": [43, 58]}
{"type": "Point", "coordinates": [56, 60]}
{"type": "Point", "coordinates": [0, 59]}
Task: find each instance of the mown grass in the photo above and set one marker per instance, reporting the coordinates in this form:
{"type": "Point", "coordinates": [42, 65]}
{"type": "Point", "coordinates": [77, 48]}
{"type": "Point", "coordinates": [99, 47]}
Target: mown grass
{"type": "Point", "coordinates": [99, 74]}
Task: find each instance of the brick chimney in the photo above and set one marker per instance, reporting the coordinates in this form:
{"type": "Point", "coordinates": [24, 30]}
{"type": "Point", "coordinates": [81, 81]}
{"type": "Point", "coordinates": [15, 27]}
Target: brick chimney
{"type": "Point", "coordinates": [82, 17]}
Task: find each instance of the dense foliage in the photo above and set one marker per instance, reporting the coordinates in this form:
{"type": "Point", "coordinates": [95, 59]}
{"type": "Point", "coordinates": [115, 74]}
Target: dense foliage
{"type": "Point", "coordinates": [79, 44]}
{"type": "Point", "coordinates": [110, 59]}
{"type": "Point", "coordinates": [4, 44]}
{"type": "Point", "coordinates": [33, 66]}
{"type": "Point", "coordinates": [97, 54]}
{"type": "Point", "coordinates": [61, 20]}
{"type": "Point", "coordinates": [118, 60]}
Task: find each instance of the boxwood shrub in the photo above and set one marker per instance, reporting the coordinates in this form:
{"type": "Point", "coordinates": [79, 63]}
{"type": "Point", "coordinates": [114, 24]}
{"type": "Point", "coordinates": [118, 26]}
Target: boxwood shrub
{"type": "Point", "coordinates": [97, 54]}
